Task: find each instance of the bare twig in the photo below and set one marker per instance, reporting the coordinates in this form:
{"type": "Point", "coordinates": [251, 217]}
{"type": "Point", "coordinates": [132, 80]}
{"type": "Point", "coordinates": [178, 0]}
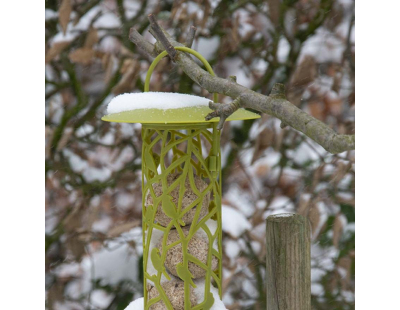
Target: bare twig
{"type": "Point", "coordinates": [160, 36]}
{"type": "Point", "coordinates": [232, 78]}
{"type": "Point", "coordinates": [142, 43]}
{"type": "Point", "coordinates": [223, 111]}
{"type": "Point", "coordinates": [275, 104]}
{"type": "Point", "coordinates": [347, 52]}
{"type": "Point", "coordinates": [190, 36]}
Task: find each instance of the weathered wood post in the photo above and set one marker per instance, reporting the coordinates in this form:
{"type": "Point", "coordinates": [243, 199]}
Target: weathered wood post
{"type": "Point", "coordinates": [288, 272]}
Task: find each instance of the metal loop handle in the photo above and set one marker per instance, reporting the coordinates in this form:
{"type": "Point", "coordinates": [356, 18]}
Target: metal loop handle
{"type": "Point", "coordinates": [183, 49]}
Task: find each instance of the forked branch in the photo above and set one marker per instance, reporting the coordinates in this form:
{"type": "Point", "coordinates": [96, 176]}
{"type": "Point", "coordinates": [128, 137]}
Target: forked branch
{"type": "Point", "coordinates": [275, 104]}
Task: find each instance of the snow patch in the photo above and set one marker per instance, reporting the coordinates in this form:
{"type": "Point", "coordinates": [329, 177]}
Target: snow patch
{"type": "Point", "coordinates": [283, 50]}
{"type": "Point", "coordinates": [304, 153]}
{"type": "Point", "coordinates": [154, 100]}
{"type": "Point", "coordinates": [100, 299]}
{"type": "Point", "coordinates": [240, 199]}
{"type": "Point", "coordinates": [50, 14]}
{"type": "Point", "coordinates": [208, 46]}
{"type": "Point", "coordinates": [234, 222]}
{"type": "Point", "coordinates": [232, 250]}
{"type": "Point", "coordinates": [199, 291]}
{"type": "Point", "coordinates": [284, 215]}
{"type": "Point", "coordinates": [137, 304]}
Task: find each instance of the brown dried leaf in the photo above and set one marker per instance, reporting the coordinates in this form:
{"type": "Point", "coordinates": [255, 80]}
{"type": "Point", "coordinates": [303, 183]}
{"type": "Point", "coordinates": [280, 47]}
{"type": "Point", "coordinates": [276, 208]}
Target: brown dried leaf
{"type": "Point", "coordinates": [337, 230]}
{"type": "Point", "coordinates": [263, 141]}
{"type": "Point", "coordinates": [303, 206]}
{"type": "Point", "coordinates": [262, 170]}
{"type": "Point", "coordinates": [305, 73]}
{"type": "Point", "coordinates": [49, 133]}
{"type": "Point", "coordinates": [84, 237]}
{"type": "Point", "coordinates": [235, 33]}
{"type": "Point", "coordinates": [344, 264]}
{"type": "Point", "coordinates": [91, 38]}
{"type": "Point", "coordinates": [318, 174]}
{"type": "Point", "coordinates": [274, 7]}
{"type": "Point", "coordinates": [279, 140]}
{"type": "Point", "coordinates": [333, 103]}
{"type": "Point", "coordinates": [124, 52]}
{"type": "Point", "coordinates": [316, 109]}
{"type": "Point", "coordinates": [337, 81]}
{"type": "Point", "coordinates": [56, 49]}
{"type": "Point", "coordinates": [72, 221]}
{"type": "Point", "coordinates": [117, 230]}
{"type": "Point", "coordinates": [127, 66]}
{"type": "Point", "coordinates": [105, 60]}
{"type": "Point", "coordinates": [130, 71]}
{"type": "Point", "coordinates": [314, 216]}
{"type": "Point", "coordinates": [65, 138]}
{"type": "Point", "coordinates": [55, 293]}
{"type": "Point", "coordinates": [92, 215]}
{"type": "Point", "coordinates": [342, 169]}
{"type": "Point", "coordinates": [63, 14]}
{"type": "Point", "coordinates": [349, 201]}
{"type": "Point", "coordinates": [334, 18]}
{"type": "Point", "coordinates": [83, 55]}
{"type": "Point", "coordinates": [108, 61]}
{"type": "Point", "coordinates": [352, 99]}
{"type": "Point", "coordinates": [76, 246]}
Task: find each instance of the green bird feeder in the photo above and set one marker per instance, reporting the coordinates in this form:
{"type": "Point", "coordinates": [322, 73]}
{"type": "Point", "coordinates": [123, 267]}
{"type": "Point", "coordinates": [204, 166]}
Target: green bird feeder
{"type": "Point", "coordinates": [181, 186]}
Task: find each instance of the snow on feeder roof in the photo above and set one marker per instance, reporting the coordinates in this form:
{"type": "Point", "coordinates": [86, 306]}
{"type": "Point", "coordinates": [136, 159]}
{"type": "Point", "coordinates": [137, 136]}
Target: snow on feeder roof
{"type": "Point", "coordinates": [164, 108]}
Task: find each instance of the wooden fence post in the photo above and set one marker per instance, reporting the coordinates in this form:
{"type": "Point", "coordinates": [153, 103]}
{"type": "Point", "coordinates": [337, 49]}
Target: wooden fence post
{"type": "Point", "coordinates": [288, 272]}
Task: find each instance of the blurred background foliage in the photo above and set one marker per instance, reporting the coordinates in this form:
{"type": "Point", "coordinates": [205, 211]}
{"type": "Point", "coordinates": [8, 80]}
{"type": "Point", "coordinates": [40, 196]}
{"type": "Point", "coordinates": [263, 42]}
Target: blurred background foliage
{"type": "Point", "coordinates": [93, 177]}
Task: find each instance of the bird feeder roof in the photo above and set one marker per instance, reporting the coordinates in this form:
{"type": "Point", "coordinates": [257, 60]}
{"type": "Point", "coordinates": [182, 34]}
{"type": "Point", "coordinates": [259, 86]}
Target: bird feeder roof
{"type": "Point", "coordinates": [165, 108]}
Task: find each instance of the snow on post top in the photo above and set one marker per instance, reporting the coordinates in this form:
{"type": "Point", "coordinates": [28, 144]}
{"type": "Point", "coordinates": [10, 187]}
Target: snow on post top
{"type": "Point", "coordinates": [154, 100]}
{"type": "Point", "coordinates": [283, 215]}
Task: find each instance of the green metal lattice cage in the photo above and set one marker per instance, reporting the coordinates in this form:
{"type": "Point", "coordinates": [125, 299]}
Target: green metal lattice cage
{"type": "Point", "coordinates": [181, 186]}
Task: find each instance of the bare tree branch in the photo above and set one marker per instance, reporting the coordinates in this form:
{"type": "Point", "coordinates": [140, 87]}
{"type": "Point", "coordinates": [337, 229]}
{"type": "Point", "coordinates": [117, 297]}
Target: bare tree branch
{"type": "Point", "coordinates": [223, 110]}
{"type": "Point", "coordinates": [275, 104]}
{"type": "Point", "coordinates": [142, 43]}
{"type": "Point", "coordinates": [160, 36]}
{"type": "Point", "coordinates": [190, 37]}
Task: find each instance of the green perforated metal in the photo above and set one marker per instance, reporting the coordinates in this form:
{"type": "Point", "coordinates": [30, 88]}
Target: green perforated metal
{"type": "Point", "coordinates": [179, 149]}
{"type": "Point", "coordinates": [189, 150]}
